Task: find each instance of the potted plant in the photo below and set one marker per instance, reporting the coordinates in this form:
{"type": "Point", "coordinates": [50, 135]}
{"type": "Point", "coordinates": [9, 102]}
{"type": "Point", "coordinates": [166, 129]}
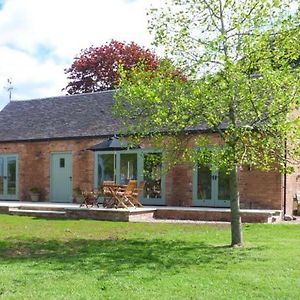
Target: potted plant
{"type": "Point", "coordinates": [77, 195]}
{"type": "Point", "coordinates": [34, 193]}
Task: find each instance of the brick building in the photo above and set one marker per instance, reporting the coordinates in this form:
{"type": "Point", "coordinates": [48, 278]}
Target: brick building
{"type": "Point", "coordinates": [46, 143]}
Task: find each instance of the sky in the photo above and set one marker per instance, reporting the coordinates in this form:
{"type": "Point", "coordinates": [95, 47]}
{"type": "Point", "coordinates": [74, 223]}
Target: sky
{"type": "Point", "coordinates": [40, 38]}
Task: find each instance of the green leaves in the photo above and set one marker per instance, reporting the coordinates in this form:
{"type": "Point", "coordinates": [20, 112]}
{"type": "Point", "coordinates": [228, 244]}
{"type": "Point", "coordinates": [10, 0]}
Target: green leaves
{"type": "Point", "coordinates": [241, 84]}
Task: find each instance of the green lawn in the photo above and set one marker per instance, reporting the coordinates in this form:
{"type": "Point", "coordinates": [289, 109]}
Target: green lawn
{"type": "Point", "coordinates": [58, 259]}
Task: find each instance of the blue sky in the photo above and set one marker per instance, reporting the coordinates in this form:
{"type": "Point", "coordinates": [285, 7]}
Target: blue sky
{"type": "Point", "coordinates": [39, 38]}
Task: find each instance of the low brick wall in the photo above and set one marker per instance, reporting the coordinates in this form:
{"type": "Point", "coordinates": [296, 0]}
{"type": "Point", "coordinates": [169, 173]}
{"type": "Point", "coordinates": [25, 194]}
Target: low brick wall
{"type": "Point", "coordinates": [3, 209]}
{"type": "Point", "coordinates": [107, 215]}
{"type": "Point", "coordinates": [97, 215]}
{"type": "Point", "coordinates": [209, 216]}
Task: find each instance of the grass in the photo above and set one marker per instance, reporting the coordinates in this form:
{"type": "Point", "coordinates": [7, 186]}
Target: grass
{"type": "Point", "coordinates": [63, 259]}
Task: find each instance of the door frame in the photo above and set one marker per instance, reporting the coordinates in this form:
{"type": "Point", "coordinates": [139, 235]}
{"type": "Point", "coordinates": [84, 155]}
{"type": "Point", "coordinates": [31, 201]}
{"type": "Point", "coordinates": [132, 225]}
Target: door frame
{"type": "Point", "coordinates": [140, 163]}
{"type": "Point", "coordinates": [5, 196]}
{"type": "Point", "coordinates": [50, 175]}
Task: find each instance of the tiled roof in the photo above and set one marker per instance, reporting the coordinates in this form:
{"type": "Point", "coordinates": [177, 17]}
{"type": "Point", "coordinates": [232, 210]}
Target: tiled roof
{"type": "Point", "coordinates": [75, 116]}
{"type": "Point", "coordinates": [63, 117]}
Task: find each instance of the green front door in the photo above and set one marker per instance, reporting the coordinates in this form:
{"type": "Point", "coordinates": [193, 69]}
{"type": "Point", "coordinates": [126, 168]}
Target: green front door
{"type": "Point", "coordinates": [8, 177]}
{"type": "Point", "coordinates": [210, 188]}
{"type": "Point", "coordinates": [61, 177]}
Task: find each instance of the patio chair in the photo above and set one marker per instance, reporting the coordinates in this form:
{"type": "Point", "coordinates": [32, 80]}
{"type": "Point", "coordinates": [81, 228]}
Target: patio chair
{"type": "Point", "coordinates": [126, 194]}
{"type": "Point", "coordinates": [136, 195]}
{"type": "Point", "coordinates": [106, 193]}
{"type": "Point", "coordinates": [90, 199]}
{"type": "Point", "coordinates": [128, 189]}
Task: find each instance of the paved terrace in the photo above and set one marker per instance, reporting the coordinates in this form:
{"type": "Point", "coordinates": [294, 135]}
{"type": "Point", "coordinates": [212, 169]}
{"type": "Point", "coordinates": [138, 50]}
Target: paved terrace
{"type": "Point", "coordinates": [147, 213]}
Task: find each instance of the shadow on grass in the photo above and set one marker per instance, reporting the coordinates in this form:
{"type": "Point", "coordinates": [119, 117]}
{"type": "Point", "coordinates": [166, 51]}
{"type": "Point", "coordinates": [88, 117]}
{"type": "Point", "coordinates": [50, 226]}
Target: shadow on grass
{"type": "Point", "coordinates": [115, 255]}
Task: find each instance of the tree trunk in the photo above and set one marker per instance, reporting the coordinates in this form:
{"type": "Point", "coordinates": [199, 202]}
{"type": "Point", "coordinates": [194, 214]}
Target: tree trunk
{"type": "Point", "coordinates": [236, 223]}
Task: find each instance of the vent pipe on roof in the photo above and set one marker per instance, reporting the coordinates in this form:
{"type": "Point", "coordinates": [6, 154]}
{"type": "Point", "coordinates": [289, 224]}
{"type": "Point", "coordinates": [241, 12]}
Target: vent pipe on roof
{"type": "Point", "coordinates": [9, 88]}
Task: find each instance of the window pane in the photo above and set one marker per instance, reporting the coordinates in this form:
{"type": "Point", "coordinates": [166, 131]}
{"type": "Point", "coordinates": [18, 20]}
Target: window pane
{"type": "Point", "coordinates": [106, 168]}
{"type": "Point", "coordinates": [204, 183]}
{"type": "Point", "coordinates": [61, 162]}
{"type": "Point", "coordinates": [11, 176]}
{"type": "Point", "coordinates": [128, 167]}
{"type": "Point", "coordinates": [152, 175]}
{"type": "Point", "coordinates": [224, 188]}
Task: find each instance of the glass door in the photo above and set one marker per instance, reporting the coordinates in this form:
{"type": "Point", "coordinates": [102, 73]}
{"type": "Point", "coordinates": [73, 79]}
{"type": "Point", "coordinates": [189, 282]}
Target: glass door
{"type": "Point", "coordinates": [106, 168]}
{"type": "Point", "coordinates": [222, 189]}
{"type": "Point", "coordinates": [152, 174]}
{"type": "Point", "coordinates": [11, 171]}
{"type": "Point", "coordinates": [210, 188]}
{"type": "Point", "coordinates": [1, 177]}
{"type": "Point", "coordinates": [8, 177]}
{"type": "Point", "coordinates": [140, 165]}
{"type": "Point", "coordinates": [128, 167]}
{"type": "Point", "coordinates": [205, 186]}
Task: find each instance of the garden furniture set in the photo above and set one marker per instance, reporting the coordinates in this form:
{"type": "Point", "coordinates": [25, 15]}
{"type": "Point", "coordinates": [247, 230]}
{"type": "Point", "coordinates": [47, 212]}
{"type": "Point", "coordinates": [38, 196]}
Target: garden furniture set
{"type": "Point", "coordinates": [115, 195]}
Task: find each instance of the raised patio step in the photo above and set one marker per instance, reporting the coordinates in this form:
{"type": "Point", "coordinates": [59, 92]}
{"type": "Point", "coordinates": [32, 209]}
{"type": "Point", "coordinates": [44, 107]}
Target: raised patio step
{"type": "Point", "coordinates": [108, 214]}
{"type": "Point", "coordinates": [37, 213]}
{"type": "Point", "coordinates": [74, 211]}
{"type": "Point", "coordinates": [41, 208]}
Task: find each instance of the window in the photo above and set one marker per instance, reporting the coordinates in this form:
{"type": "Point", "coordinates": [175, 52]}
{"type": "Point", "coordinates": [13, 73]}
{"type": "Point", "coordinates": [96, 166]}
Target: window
{"type": "Point", "coordinates": [61, 162]}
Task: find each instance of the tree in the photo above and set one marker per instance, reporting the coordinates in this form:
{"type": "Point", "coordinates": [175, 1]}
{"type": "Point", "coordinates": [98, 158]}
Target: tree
{"type": "Point", "coordinates": [96, 68]}
{"type": "Point", "coordinates": [242, 87]}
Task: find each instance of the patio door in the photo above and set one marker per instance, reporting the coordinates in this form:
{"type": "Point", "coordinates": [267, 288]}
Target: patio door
{"type": "Point", "coordinates": [106, 168]}
{"type": "Point", "coordinates": [122, 166]}
{"type": "Point", "coordinates": [127, 167]}
{"type": "Point", "coordinates": [8, 177]}
{"type": "Point", "coordinates": [152, 174]}
{"type": "Point", "coordinates": [118, 167]}
{"type": "Point", "coordinates": [211, 188]}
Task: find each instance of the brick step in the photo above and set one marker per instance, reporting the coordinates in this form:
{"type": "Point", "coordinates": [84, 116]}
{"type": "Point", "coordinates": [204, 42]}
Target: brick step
{"type": "Point", "coordinates": [41, 208]}
{"type": "Point", "coordinates": [110, 214]}
{"type": "Point", "coordinates": [37, 213]}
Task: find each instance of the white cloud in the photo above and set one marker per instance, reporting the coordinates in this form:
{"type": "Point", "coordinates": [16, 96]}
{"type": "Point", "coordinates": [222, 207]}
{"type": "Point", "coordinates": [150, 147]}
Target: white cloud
{"type": "Point", "coordinates": [31, 78]}
{"type": "Point", "coordinates": [60, 28]}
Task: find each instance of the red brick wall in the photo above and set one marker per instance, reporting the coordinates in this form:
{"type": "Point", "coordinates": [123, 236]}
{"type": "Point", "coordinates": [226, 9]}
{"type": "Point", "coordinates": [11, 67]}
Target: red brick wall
{"type": "Point", "coordinates": [258, 189]}
{"type": "Point", "coordinates": [34, 163]}
{"type": "Point", "coordinates": [179, 186]}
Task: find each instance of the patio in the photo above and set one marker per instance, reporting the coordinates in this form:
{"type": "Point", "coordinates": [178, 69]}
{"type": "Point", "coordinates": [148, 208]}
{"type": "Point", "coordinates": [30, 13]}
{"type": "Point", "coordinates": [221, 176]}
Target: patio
{"type": "Point", "coordinates": [74, 211]}
{"type": "Point", "coordinates": [131, 214]}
